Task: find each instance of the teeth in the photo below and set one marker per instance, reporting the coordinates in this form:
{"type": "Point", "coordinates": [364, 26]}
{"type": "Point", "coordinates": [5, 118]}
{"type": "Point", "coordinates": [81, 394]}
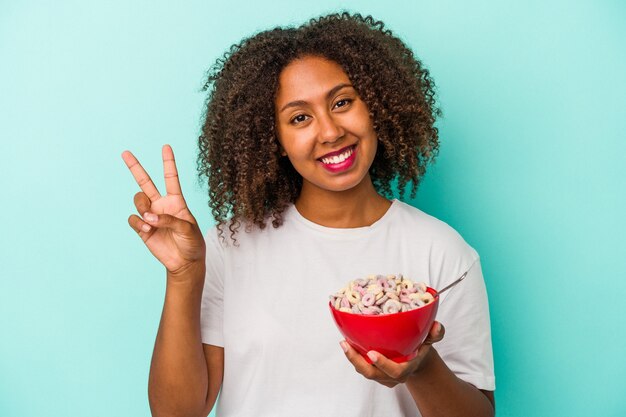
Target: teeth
{"type": "Point", "coordinates": [338, 158]}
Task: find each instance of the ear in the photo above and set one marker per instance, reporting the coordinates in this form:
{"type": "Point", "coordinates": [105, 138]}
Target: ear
{"type": "Point", "coordinates": [281, 150]}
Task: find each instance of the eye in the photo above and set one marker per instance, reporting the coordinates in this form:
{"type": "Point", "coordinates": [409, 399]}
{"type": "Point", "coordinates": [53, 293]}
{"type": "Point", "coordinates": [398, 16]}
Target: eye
{"type": "Point", "coordinates": [298, 119]}
{"type": "Point", "coordinates": [343, 102]}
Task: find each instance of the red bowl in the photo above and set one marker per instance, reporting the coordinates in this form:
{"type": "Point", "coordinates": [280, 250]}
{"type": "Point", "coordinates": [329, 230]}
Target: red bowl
{"type": "Point", "coordinates": [396, 336]}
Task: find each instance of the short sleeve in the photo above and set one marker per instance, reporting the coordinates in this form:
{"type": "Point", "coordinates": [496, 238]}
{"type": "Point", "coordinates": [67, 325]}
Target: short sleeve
{"type": "Point", "coordinates": [212, 306]}
{"type": "Point", "coordinates": [466, 347]}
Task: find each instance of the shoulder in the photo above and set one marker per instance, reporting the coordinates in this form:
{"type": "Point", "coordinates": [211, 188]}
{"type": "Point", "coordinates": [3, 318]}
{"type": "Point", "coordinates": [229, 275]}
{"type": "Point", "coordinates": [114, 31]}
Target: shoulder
{"type": "Point", "coordinates": [222, 239]}
{"type": "Point", "coordinates": [437, 234]}
{"type": "Point", "coordinates": [247, 234]}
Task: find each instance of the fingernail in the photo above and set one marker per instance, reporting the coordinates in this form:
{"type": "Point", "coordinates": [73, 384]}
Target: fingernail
{"type": "Point", "coordinates": [145, 227]}
{"type": "Point", "coordinates": [344, 346]}
{"type": "Point", "coordinates": [150, 217]}
{"type": "Point", "coordinates": [438, 328]}
{"type": "Point", "coordinates": [373, 356]}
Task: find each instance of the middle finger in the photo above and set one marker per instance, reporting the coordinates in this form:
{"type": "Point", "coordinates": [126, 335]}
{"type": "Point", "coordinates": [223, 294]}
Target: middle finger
{"type": "Point", "coordinates": [172, 184]}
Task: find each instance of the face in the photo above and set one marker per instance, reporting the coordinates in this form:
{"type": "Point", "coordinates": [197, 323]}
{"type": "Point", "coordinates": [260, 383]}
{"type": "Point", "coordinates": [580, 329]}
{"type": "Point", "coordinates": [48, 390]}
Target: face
{"type": "Point", "coordinates": [323, 125]}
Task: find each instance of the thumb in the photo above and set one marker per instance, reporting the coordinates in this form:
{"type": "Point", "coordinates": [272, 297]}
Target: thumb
{"type": "Point", "coordinates": [435, 334]}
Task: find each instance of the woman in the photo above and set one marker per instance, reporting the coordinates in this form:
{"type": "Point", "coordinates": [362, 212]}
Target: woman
{"type": "Point", "coordinates": [307, 129]}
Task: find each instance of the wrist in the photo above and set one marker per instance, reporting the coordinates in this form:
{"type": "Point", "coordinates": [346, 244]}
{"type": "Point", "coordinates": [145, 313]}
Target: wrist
{"type": "Point", "coordinates": [425, 368]}
{"type": "Point", "coordinates": [190, 273]}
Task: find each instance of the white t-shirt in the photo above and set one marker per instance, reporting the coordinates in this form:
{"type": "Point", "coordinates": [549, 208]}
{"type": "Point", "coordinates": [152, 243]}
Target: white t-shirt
{"type": "Point", "coordinates": [266, 302]}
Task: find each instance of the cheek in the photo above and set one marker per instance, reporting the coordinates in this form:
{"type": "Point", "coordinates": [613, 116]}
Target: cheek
{"type": "Point", "coordinates": [370, 139]}
{"type": "Point", "coordinates": [366, 131]}
{"type": "Point", "coordinates": [369, 150]}
{"type": "Point", "coordinates": [298, 143]}
{"type": "Point", "coordinates": [371, 154]}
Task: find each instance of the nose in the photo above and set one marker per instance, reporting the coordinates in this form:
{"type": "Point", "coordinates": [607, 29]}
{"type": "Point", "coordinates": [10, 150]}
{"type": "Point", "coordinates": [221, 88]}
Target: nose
{"type": "Point", "coordinates": [330, 130]}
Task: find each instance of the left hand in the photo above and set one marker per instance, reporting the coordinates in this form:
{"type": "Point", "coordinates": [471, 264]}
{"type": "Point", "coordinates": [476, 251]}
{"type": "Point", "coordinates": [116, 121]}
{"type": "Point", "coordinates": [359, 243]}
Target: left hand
{"type": "Point", "coordinates": [387, 372]}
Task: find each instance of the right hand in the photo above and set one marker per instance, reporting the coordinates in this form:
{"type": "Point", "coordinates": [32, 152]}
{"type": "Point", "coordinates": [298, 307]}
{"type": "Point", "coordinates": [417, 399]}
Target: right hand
{"type": "Point", "coordinates": [174, 238]}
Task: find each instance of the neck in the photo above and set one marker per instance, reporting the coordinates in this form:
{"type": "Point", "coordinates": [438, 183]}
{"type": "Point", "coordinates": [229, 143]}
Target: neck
{"type": "Point", "coordinates": [357, 207]}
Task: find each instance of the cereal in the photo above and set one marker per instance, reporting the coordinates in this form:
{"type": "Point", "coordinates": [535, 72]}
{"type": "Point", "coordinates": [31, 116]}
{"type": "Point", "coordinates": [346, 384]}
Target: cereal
{"type": "Point", "coordinates": [378, 294]}
{"type": "Point", "coordinates": [392, 306]}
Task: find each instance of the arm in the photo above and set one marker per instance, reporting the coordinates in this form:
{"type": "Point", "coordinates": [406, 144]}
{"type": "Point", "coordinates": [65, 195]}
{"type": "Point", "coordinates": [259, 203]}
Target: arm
{"type": "Point", "coordinates": [185, 375]}
{"type": "Point", "coordinates": [436, 390]}
{"type": "Point", "coordinates": [466, 347]}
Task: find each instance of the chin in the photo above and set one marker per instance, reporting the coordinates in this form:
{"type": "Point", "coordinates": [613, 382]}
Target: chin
{"type": "Point", "coordinates": [345, 186]}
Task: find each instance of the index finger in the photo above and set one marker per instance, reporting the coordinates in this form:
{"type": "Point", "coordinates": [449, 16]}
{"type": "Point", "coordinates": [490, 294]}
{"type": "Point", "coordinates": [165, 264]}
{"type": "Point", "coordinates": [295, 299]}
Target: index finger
{"type": "Point", "coordinates": [359, 363]}
{"type": "Point", "coordinates": [141, 176]}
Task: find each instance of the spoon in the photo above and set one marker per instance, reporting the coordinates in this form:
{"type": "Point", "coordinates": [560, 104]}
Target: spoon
{"type": "Point", "coordinates": [456, 281]}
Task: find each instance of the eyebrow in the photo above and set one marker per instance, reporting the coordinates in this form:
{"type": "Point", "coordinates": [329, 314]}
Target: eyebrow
{"type": "Point", "coordinates": [302, 102]}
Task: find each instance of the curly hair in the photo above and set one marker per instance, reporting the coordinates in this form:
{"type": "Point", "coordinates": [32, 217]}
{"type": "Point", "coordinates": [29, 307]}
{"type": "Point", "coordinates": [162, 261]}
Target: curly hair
{"type": "Point", "coordinates": [239, 151]}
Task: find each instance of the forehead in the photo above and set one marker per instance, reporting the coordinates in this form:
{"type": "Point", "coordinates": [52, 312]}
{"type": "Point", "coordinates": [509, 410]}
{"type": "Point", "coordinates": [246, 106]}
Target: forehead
{"type": "Point", "coordinates": [309, 78]}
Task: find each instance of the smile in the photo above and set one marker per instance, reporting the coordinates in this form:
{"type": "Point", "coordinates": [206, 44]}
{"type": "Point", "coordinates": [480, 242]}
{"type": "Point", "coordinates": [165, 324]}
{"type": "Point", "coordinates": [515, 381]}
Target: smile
{"type": "Point", "coordinates": [340, 161]}
{"type": "Point", "coordinates": [337, 159]}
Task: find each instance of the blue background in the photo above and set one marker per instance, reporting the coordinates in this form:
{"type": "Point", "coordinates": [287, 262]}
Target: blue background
{"type": "Point", "coordinates": [531, 172]}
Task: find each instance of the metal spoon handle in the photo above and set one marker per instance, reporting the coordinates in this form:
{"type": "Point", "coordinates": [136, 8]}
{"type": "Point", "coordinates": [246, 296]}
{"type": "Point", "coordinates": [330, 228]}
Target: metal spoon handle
{"type": "Point", "coordinates": [456, 281]}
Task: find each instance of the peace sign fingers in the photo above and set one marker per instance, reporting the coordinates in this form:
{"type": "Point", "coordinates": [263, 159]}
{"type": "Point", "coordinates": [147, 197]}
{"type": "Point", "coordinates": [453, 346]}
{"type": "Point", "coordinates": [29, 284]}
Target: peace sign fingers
{"type": "Point", "coordinates": [141, 176]}
{"type": "Point", "coordinates": [172, 184]}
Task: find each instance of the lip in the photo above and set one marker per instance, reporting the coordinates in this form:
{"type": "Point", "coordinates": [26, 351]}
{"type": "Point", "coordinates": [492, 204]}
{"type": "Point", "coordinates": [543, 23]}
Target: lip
{"type": "Point", "coordinates": [342, 166]}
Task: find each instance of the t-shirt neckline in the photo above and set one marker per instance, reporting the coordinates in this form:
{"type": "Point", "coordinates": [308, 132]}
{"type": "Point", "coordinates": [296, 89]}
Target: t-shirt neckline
{"type": "Point", "coordinates": [345, 231]}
